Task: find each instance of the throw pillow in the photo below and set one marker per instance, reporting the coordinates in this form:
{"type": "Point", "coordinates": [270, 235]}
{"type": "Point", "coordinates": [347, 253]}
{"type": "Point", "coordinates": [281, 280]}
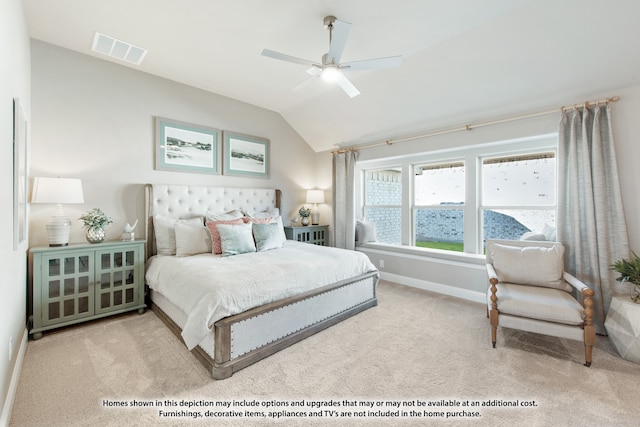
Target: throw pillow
{"type": "Point", "coordinates": [192, 239]}
{"type": "Point", "coordinates": [236, 239]}
{"type": "Point", "coordinates": [365, 232]}
{"type": "Point", "coordinates": [224, 216]}
{"type": "Point", "coordinates": [165, 234]}
{"type": "Point", "coordinates": [216, 246]}
{"type": "Point", "coordinates": [268, 236]}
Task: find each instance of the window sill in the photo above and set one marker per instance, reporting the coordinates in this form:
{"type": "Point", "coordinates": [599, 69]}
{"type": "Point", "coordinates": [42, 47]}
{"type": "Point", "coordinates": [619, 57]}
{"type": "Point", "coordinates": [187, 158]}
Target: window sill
{"type": "Point", "coordinates": [461, 257]}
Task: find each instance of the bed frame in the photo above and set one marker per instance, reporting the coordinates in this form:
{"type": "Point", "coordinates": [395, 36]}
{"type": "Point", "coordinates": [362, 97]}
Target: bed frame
{"type": "Point", "coordinates": [248, 337]}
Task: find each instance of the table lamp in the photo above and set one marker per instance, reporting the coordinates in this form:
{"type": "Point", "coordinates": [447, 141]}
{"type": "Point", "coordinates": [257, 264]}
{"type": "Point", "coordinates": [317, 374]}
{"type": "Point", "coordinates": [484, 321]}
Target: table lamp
{"type": "Point", "coordinates": [57, 191]}
{"type": "Point", "coordinates": [315, 197]}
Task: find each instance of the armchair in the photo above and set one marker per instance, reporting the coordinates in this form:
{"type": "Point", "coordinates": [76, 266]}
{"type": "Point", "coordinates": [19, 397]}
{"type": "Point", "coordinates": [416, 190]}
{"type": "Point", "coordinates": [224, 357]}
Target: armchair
{"type": "Point", "coordinates": [530, 291]}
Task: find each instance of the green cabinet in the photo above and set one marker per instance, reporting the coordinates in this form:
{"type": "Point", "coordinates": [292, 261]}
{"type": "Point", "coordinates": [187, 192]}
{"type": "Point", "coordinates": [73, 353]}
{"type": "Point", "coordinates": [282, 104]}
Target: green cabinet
{"type": "Point", "coordinates": [315, 234]}
{"type": "Point", "coordinates": [82, 282]}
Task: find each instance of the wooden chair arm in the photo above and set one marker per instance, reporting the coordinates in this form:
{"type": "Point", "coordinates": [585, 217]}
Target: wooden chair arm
{"type": "Point", "coordinates": [587, 295]}
{"type": "Point", "coordinates": [491, 272]}
{"type": "Point", "coordinates": [575, 282]}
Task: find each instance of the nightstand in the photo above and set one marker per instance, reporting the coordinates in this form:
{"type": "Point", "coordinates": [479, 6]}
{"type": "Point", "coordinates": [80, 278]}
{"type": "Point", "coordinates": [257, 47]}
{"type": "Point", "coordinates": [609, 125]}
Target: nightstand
{"type": "Point", "coordinates": [82, 282]}
{"type": "Point", "coordinates": [316, 234]}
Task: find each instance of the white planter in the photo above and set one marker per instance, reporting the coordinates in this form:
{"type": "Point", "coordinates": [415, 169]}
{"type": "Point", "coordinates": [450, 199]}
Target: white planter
{"type": "Point", "coordinates": [623, 327]}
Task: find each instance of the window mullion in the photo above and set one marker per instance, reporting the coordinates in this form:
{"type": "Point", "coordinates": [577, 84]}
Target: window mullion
{"type": "Point", "coordinates": [471, 203]}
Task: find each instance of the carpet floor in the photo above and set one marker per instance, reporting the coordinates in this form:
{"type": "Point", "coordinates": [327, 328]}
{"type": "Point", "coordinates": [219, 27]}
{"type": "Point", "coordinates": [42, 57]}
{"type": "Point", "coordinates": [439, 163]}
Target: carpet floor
{"type": "Point", "coordinates": [416, 358]}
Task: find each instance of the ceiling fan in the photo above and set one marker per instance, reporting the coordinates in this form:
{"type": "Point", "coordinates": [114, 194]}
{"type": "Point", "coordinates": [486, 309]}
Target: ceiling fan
{"type": "Point", "coordinates": [330, 68]}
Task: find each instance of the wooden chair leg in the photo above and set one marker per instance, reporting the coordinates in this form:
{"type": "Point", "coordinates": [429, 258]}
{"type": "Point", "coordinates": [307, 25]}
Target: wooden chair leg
{"type": "Point", "coordinates": [493, 313]}
{"type": "Point", "coordinates": [589, 342]}
{"type": "Point", "coordinates": [493, 319]}
{"type": "Point", "coordinates": [589, 330]}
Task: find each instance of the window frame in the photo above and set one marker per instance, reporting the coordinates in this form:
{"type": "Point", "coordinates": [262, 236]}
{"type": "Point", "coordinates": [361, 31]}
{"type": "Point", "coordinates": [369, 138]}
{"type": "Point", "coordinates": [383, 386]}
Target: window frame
{"type": "Point", "coordinates": [472, 157]}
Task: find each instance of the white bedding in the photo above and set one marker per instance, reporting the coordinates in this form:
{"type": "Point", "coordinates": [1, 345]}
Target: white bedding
{"type": "Point", "coordinates": [209, 287]}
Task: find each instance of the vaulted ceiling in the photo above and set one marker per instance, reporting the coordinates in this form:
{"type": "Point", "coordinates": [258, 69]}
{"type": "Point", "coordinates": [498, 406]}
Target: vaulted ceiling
{"type": "Point", "coordinates": [462, 59]}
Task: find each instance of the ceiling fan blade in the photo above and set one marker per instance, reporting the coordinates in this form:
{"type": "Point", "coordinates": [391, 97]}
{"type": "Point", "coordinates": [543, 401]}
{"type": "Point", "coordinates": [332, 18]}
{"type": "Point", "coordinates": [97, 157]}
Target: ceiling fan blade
{"type": "Point", "coordinates": [347, 86]}
{"type": "Point", "coordinates": [368, 64]}
{"type": "Point", "coordinates": [281, 56]}
{"type": "Point", "coordinates": [339, 36]}
{"type": "Point", "coordinates": [314, 70]}
{"type": "Point", "coordinates": [303, 84]}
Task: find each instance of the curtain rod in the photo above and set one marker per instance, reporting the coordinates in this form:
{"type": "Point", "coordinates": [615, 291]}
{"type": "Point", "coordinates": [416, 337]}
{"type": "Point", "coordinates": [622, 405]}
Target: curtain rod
{"type": "Point", "coordinates": [469, 127]}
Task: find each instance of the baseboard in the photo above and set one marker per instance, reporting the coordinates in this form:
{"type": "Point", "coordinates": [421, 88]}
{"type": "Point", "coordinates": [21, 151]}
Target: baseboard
{"type": "Point", "coordinates": [5, 417]}
{"type": "Point", "coordinates": [435, 287]}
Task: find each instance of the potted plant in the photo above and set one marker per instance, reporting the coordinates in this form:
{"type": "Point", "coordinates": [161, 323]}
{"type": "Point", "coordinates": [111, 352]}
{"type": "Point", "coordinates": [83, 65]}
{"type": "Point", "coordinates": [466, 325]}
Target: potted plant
{"type": "Point", "coordinates": [95, 221]}
{"type": "Point", "coordinates": [304, 213]}
{"type": "Point", "coordinates": [629, 270]}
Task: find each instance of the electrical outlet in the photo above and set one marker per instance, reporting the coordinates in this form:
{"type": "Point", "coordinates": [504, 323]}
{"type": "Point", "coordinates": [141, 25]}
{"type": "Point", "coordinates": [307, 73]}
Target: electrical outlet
{"type": "Point", "coordinates": [10, 348]}
{"type": "Point", "coordinates": [381, 263]}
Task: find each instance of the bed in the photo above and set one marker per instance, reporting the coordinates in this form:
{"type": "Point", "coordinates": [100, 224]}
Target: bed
{"type": "Point", "coordinates": [232, 311]}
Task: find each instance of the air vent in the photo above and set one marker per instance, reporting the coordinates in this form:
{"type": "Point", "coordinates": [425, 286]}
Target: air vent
{"type": "Point", "coordinates": [118, 49]}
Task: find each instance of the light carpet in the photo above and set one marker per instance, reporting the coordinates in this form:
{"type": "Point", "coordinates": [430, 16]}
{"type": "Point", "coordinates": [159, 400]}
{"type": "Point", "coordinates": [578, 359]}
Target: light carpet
{"type": "Point", "coordinates": [415, 347]}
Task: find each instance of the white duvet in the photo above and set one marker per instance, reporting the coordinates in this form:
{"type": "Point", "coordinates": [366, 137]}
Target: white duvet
{"type": "Point", "coordinates": [210, 287]}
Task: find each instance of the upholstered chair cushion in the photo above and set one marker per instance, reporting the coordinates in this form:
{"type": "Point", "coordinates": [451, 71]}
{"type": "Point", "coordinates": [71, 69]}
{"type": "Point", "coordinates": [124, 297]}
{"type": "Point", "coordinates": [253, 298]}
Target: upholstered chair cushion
{"type": "Point", "coordinates": [534, 266]}
{"type": "Point", "coordinates": [534, 302]}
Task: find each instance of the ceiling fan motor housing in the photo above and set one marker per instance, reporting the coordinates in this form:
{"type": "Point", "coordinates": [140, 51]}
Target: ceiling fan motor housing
{"type": "Point", "coordinates": [328, 21]}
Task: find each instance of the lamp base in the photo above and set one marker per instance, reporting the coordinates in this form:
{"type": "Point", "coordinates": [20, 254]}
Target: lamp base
{"type": "Point", "coordinates": [58, 230]}
{"type": "Point", "coordinates": [315, 218]}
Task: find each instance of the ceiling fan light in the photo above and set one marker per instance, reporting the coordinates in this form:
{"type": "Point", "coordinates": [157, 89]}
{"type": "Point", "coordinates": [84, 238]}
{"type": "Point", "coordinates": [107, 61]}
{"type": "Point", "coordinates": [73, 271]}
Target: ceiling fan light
{"type": "Point", "coordinates": [330, 74]}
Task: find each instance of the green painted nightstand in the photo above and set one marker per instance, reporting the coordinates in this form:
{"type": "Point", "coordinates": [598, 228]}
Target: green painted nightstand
{"type": "Point", "coordinates": [316, 234]}
{"type": "Point", "coordinates": [82, 282]}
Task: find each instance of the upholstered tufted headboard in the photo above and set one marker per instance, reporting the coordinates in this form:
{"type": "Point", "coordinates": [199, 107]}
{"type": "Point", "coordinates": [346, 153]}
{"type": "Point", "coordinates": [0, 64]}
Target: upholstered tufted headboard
{"type": "Point", "coordinates": [187, 201]}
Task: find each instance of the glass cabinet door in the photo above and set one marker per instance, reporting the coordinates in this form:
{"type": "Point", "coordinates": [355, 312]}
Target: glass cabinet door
{"type": "Point", "coordinates": [67, 291]}
{"type": "Point", "coordinates": [118, 278]}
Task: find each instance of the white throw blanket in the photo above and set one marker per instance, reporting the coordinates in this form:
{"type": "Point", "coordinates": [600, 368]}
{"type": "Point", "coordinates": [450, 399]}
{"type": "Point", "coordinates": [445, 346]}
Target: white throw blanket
{"type": "Point", "coordinates": [208, 288]}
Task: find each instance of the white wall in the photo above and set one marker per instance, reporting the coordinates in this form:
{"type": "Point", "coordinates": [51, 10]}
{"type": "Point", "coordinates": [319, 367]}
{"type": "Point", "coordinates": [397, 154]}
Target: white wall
{"type": "Point", "coordinates": [466, 277]}
{"type": "Point", "coordinates": [94, 120]}
{"type": "Point", "coordinates": [14, 82]}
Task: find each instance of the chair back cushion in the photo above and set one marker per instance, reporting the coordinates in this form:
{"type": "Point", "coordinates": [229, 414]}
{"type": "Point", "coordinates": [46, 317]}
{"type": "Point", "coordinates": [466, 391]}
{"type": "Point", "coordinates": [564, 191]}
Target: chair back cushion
{"type": "Point", "coordinates": [529, 265]}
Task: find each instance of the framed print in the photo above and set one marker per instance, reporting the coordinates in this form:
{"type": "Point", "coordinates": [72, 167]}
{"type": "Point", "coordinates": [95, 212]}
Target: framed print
{"type": "Point", "coordinates": [185, 147]}
{"type": "Point", "coordinates": [245, 155]}
{"type": "Point", "coordinates": [20, 176]}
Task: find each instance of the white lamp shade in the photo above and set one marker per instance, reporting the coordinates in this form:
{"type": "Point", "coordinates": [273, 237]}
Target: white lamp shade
{"type": "Point", "coordinates": [57, 190]}
{"type": "Point", "coordinates": [315, 196]}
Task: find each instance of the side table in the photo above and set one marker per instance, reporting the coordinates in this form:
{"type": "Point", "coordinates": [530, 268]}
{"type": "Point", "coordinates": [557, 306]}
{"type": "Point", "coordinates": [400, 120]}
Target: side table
{"type": "Point", "coordinates": [315, 234]}
{"type": "Point", "coordinates": [623, 326]}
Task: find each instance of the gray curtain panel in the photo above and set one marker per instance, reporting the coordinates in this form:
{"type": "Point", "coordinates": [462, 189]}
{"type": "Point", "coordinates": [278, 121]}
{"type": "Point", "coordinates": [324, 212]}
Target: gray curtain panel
{"type": "Point", "coordinates": [591, 222]}
{"type": "Point", "coordinates": [344, 228]}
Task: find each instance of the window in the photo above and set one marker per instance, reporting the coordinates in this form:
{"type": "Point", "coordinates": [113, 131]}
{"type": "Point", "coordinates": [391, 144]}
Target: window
{"type": "Point", "coordinates": [457, 198]}
{"type": "Point", "coordinates": [518, 195]}
{"type": "Point", "coordinates": [439, 194]}
{"type": "Point", "coordinates": [382, 203]}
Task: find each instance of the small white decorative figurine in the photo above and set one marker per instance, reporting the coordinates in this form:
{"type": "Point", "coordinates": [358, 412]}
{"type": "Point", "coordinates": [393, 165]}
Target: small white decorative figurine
{"type": "Point", "coordinates": [129, 234]}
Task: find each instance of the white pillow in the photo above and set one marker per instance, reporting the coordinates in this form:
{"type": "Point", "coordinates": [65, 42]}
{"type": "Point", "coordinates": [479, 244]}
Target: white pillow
{"type": "Point", "coordinates": [164, 230]}
{"type": "Point", "coordinates": [268, 236]}
{"type": "Point", "coordinates": [532, 235]}
{"type": "Point", "coordinates": [192, 239]}
{"type": "Point", "coordinates": [536, 266]}
{"type": "Point", "coordinates": [549, 233]}
{"type": "Point", "coordinates": [236, 239]}
{"type": "Point", "coordinates": [224, 216]}
{"type": "Point", "coordinates": [264, 214]}
{"type": "Point", "coordinates": [365, 232]}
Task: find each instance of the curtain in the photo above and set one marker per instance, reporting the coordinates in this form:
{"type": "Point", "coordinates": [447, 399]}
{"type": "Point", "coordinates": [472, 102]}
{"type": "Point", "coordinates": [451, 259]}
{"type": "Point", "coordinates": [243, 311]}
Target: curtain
{"type": "Point", "coordinates": [344, 228]}
{"type": "Point", "coordinates": [591, 222]}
